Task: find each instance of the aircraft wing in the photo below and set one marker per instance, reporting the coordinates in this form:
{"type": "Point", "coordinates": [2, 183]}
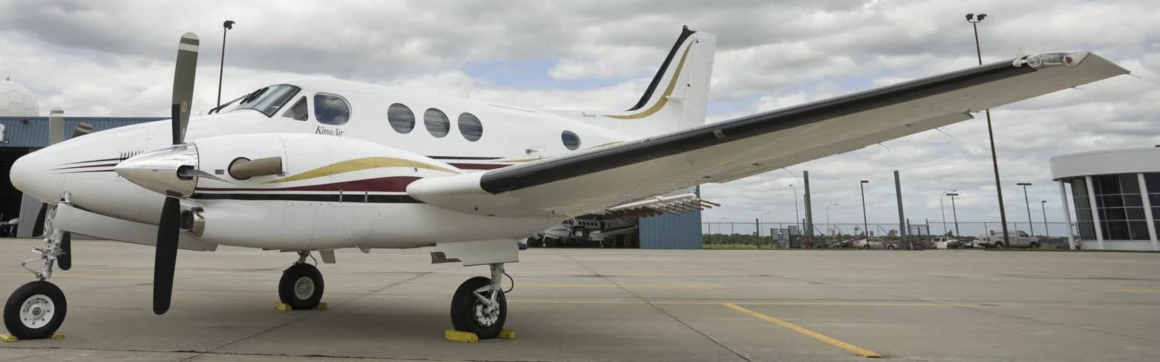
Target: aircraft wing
{"type": "Point", "coordinates": [598, 179]}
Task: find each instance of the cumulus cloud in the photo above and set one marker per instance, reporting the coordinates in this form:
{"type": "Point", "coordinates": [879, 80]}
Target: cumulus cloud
{"type": "Point", "coordinates": [115, 58]}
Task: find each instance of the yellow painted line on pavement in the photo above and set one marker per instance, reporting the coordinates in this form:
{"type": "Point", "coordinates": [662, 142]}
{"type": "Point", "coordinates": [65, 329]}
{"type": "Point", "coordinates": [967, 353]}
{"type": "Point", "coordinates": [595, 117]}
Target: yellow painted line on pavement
{"type": "Point", "coordinates": [1138, 290]}
{"type": "Point", "coordinates": [67, 275]}
{"type": "Point", "coordinates": [815, 335]}
{"type": "Point", "coordinates": [628, 286]}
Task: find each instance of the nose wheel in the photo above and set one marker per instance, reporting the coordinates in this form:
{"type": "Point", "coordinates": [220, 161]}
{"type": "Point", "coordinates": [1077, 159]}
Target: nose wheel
{"type": "Point", "coordinates": [479, 305]}
{"type": "Point", "coordinates": [301, 286]}
{"type": "Point", "coordinates": [35, 310]}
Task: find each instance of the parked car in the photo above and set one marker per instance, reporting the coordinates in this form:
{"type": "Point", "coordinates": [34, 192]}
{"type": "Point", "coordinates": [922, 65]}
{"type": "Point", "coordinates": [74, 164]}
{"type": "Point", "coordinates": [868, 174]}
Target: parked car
{"type": "Point", "coordinates": [946, 242]}
{"type": "Point", "coordinates": [874, 243]}
{"type": "Point", "coordinates": [1017, 238]}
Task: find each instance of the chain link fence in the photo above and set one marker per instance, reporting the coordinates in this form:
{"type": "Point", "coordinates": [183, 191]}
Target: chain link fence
{"type": "Point", "coordinates": [781, 235]}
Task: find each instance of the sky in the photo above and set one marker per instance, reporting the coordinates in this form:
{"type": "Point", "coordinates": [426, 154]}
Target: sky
{"type": "Point", "coordinates": [115, 58]}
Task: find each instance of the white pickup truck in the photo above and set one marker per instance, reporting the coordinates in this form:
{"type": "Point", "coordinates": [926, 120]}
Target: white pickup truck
{"type": "Point", "coordinates": [1017, 238]}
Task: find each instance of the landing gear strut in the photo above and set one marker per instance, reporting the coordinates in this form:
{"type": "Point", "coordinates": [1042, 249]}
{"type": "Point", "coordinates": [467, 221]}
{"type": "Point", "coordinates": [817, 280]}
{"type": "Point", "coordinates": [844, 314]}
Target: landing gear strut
{"type": "Point", "coordinates": [479, 305]}
{"type": "Point", "coordinates": [37, 309]}
{"type": "Point", "coordinates": [301, 285]}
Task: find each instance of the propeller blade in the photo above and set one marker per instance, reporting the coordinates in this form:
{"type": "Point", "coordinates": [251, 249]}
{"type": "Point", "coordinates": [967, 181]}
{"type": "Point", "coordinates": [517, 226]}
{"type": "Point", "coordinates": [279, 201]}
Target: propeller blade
{"type": "Point", "coordinates": [65, 261]}
{"type": "Point", "coordinates": [183, 78]}
{"type": "Point", "coordinates": [168, 228]}
{"type": "Point", "coordinates": [166, 258]}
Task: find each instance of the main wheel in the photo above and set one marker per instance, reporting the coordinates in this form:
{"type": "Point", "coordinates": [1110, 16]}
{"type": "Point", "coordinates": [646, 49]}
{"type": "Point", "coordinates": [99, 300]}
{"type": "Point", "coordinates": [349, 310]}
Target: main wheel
{"type": "Point", "coordinates": [301, 286]}
{"type": "Point", "coordinates": [1034, 245]}
{"type": "Point", "coordinates": [468, 314]}
{"type": "Point", "coordinates": [35, 310]}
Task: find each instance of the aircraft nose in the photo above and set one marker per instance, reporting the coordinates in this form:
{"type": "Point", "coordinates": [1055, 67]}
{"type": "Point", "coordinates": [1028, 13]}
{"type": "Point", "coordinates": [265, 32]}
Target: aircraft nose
{"type": "Point", "coordinates": [158, 170]}
{"type": "Point", "coordinates": [33, 174]}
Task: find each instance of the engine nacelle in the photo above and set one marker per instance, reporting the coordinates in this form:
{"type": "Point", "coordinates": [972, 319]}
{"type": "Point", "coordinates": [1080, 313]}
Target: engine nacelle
{"type": "Point", "coordinates": [268, 190]}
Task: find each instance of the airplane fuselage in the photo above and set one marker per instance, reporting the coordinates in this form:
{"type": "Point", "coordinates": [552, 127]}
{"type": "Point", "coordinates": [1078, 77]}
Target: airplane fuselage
{"type": "Point", "coordinates": [334, 211]}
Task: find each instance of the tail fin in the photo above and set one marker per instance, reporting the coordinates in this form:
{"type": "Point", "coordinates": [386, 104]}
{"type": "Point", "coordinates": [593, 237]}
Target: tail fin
{"type": "Point", "coordinates": [678, 95]}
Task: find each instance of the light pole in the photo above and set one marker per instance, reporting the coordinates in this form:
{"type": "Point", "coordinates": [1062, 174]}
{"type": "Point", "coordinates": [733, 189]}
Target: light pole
{"type": "Point", "coordinates": [226, 26]}
{"type": "Point", "coordinates": [943, 210]}
{"type": "Point", "coordinates": [865, 225]}
{"type": "Point", "coordinates": [1028, 205]}
{"type": "Point", "coordinates": [955, 212]}
{"type": "Point", "coordinates": [971, 18]}
{"type": "Point", "coordinates": [1043, 206]}
{"type": "Point", "coordinates": [828, 224]}
{"type": "Point", "coordinates": [796, 217]}
{"type": "Point", "coordinates": [762, 218]}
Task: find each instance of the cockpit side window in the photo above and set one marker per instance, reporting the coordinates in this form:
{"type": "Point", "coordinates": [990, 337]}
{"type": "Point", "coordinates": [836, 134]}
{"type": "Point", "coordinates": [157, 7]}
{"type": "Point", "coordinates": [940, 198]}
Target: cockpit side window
{"type": "Point", "coordinates": [298, 111]}
{"type": "Point", "coordinates": [331, 109]}
{"type": "Point", "coordinates": [270, 99]}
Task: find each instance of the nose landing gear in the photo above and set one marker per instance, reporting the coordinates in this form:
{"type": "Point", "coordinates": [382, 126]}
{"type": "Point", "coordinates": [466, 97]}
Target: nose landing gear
{"type": "Point", "coordinates": [37, 309]}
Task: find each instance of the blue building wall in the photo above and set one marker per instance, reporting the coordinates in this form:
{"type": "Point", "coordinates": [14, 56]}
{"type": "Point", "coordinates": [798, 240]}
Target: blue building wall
{"type": "Point", "coordinates": [671, 231]}
{"type": "Point", "coordinates": [33, 131]}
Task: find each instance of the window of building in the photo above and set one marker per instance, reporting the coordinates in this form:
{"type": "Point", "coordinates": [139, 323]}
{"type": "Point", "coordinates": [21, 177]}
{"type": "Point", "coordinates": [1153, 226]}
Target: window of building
{"type": "Point", "coordinates": [1152, 180]}
{"type": "Point", "coordinates": [570, 139]}
{"type": "Point", "coordinates": [436, 122]}
{"type": "Point", "coordinates": [331, 109]}
{"type": "Point", "coordinates": [401, 118]}
{"type": "Point", "coordinates": [470, 127]}
{"type": "Point", "coordinates": [1119, 205]}
{"type": "Point", "coordinates": [298, 111]}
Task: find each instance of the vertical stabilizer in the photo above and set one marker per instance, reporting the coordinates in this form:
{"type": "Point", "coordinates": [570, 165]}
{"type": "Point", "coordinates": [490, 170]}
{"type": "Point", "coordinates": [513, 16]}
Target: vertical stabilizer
{"type": "Point", "coordinates": [676, 98]}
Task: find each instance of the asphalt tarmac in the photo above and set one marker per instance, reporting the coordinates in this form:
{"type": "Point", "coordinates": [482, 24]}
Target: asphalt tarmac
{"type": "Point", "coordinates": [614, 305]}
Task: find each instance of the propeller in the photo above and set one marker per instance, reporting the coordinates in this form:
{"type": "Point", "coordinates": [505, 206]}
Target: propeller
{"type": "Point", "coordinates": [168, 227]}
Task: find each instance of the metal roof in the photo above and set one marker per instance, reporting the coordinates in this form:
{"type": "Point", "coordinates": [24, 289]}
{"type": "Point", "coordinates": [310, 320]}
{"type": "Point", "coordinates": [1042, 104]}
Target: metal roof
{"type": "Point", "coordinates": [33, 131]}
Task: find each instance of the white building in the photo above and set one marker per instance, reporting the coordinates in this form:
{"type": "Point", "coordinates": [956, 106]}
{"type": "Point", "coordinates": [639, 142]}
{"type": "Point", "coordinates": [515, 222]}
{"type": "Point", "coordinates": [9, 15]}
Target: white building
{"type": "Point", "coordinates": [1116, 195]}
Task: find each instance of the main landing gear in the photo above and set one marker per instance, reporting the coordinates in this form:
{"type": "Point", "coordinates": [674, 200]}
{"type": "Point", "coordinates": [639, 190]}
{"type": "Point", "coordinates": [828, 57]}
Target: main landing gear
{"type": "Point", "coordinates": [479, 305]}
{"type": "Point", "coordinates": [301, 285]}
{"type": "Point", "coordinates": [37, 309]}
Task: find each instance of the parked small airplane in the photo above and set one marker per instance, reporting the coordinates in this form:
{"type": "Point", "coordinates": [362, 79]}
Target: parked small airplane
{"type": "Point", "coordinates": [318, 165]}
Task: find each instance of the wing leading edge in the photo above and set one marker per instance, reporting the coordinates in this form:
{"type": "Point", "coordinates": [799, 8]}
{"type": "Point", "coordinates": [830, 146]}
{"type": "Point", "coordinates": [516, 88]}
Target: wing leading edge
{"type": "Point", "coordinates": [597, 179]}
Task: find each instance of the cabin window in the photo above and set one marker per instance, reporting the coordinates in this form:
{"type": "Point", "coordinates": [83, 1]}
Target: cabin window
{"type": "Point", "coordinates": [470, 127]}
{"type": "Point", "coordinates": [401, 118]}
{"type": "Point", "coordinates": [436, 122]}
{"type": "Point", "coordinates": [570, 139]}
{"type": "Point", "coordinates": [331, 109]}
{"type": "Point", "coordinates": [298, 111]}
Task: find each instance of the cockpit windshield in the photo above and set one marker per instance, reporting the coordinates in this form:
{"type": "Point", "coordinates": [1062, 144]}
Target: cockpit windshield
{"type": "Point", "coordinates": [270, 99]}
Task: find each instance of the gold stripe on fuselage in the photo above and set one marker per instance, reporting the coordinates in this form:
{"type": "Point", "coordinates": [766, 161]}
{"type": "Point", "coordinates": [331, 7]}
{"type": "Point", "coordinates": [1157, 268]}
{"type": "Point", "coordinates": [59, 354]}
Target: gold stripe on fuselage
{"type": "Point", "coordinates": [360, 164]}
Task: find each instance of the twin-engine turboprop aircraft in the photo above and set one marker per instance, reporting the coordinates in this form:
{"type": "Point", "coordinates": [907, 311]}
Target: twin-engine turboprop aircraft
{"type": "Point", "coordinates": [314, 166]}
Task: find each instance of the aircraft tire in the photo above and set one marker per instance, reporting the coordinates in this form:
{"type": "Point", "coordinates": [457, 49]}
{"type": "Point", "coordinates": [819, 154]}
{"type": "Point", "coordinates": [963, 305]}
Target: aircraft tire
{"type": "Point", "coordinates": [464, 306]}
{"type": "Point", "coordinates": [301, 286]}
{"type": "Point", "coordinates": [35, 310]}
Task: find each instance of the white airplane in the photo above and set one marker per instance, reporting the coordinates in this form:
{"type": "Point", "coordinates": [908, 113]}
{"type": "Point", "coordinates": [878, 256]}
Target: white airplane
{"type": "Point", "coordinates": [314, 166]}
